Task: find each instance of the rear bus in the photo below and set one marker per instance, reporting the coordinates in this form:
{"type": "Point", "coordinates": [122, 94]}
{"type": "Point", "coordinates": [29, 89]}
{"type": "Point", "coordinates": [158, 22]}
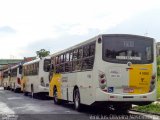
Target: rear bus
{"type": "Point", "coordinates": [125, 70]}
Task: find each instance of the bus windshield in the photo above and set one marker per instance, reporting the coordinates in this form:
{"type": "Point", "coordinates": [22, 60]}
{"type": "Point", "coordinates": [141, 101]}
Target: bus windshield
{"type": "Point", "coordinates": [120, 49]}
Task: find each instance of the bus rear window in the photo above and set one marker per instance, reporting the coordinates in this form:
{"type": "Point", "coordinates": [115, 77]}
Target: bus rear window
{"type": "Point", "coordinates": [122, 49]}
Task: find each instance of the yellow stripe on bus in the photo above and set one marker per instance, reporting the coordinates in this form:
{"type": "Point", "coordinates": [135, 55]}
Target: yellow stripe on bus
{"type": "Point", "coordinates": [56, 81]}
{"type": "Point", "coordinates": [23, 82]}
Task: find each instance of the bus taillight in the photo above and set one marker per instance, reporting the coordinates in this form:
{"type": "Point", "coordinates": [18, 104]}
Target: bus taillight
{"type": "Point", "coordinates": [153, 77]}
{"type": "Point", "coordinates": [152, 83]}
{"type": "Point", "coordinates": [18, 81]}
{"type": "Point", "coordinates": [102, 80]}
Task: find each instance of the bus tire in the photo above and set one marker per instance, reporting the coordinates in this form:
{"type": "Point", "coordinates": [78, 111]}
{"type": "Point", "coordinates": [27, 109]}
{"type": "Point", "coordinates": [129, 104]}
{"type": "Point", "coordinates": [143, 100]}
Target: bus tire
{"type": "Point", "coordinates": [17, 90]}
{"type": "Point", "coordinates": [25, 93]}
{"type": "Point", "coordinates": [32, 91]}
{"type": "Point", "coordinates": [76, 99]}
{"type": "Point", "coordinates": [8, 88]}
{"type": "Point", "coordinates": [55, 96]}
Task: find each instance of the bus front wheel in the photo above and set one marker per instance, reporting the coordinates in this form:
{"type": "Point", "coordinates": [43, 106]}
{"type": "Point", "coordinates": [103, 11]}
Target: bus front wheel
{"type": "Point", "coordinates": [55, 96]}
{"type": "Point", "coordinates": [32, 91]}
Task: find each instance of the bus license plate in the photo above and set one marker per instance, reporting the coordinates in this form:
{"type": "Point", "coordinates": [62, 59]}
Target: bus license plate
{"type": "Point", "coordinates": [128, 90]}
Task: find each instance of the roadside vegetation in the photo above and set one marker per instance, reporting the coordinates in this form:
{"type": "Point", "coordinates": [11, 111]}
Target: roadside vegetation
{"type": "Point", "coordinates": [152, 108]}
{"type": "Point", "coordinates": [158, 87]}
{"type": "Point", "coordinates": [158, 77]}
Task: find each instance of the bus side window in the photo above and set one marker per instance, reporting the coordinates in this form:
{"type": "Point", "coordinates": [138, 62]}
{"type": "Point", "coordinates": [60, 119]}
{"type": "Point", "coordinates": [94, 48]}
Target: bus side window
{"type": "Point", "coordinates": [67, 62]}
{"type": "Point", "coordinates": [62, 58]}
{"type": "Point", "coordinates": [92, 49]}
{"type": "Point", "coordinates": [67, 57]}
{"type": "Point", "coordinates": [75, 55]}
{"type": "Point", "coordinates": [34, 69]}
{"type": "Point", "coordinates": [88, 56]}
{"type": "Point", "coordinates": [80, 53]}
{"type": "Point", "coordinates": [37, 70]}
{"type": "Point", "coordinates": [71, 56]}
{"type": "Point", "coordinates": [20, 69]}
{"type": "Point", "coordinates": [77, 59]}
{"type": "Point", "coordinates": [57, 60]}
{"type": "Point", "coordinates": [27, 70]}
{"type": "Point", "coordinates": [57, 64]}
{"type": "Point", "coordinates": [70, 61]}
{"type": "Point", "coordinates": [23, 71]}
{"type": "Point", "coordinates": [86, 51]}
{"type": "Point", "coordinates": [62, 63]}
{"type": "Point", "coordinates": [14, 72]}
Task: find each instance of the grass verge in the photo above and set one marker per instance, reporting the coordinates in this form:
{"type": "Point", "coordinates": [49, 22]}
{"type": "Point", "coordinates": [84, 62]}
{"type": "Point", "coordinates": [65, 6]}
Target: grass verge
{"type": "Point", "coordinates": [158, 88]}
{"type": "Point", "coordinates": [152, 108]}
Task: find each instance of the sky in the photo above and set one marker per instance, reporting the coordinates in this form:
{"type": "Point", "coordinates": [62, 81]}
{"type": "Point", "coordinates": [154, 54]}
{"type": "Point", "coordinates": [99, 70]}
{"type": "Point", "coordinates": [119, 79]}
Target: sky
{"type": "Point", "coordinates": [27, 26]}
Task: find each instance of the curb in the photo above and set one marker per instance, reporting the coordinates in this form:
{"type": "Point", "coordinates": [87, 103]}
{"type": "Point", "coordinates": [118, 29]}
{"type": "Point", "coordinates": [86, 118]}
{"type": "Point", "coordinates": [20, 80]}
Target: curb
{"type": "Point", "coordinates": [158, 114]}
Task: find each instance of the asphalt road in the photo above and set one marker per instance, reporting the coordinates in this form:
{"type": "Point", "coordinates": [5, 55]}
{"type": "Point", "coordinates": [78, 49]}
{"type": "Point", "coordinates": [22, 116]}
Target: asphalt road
{"type": "Point", "coordinates": [16, 106]}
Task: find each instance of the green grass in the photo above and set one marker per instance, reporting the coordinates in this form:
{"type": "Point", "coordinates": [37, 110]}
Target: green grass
{"type": "Point", "coordinates": [152, 108]}
{"type": "Point", "coordinates": [158, 87]}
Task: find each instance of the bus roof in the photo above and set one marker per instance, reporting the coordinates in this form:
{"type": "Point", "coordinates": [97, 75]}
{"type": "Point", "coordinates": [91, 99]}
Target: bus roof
{"type": "Point", "coordinates": [93, 39]}
{"type": "Point", "coordinates": [129, 35]}
{"type": "Point", "coordinates": [36, 60]}
{"type": "Point", "coordinates": [6, 70]}
{"type": "Point", "coordinates": [75, 46]}
{"type": "Point", "coordinates": [15, 66]}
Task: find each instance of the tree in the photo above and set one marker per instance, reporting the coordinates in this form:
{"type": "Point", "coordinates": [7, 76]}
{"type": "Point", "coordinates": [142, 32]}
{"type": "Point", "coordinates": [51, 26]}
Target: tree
{"type": "Point", "coordinates": [158, 60]}
{"type": "Point", "coordinates": [42, 53]}
{"type": "Point", "coordinates": [158, 66]}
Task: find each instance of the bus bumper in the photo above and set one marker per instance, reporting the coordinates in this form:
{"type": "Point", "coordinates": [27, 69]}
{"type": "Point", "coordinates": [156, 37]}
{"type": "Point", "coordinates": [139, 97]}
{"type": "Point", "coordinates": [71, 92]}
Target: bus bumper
{"type": "Point", "coordinates": [104, 96]}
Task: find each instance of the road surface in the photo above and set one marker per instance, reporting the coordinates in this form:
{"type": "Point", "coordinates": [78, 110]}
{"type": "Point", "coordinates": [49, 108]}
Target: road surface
{"type": "Point", "coordinates": [16, 106]}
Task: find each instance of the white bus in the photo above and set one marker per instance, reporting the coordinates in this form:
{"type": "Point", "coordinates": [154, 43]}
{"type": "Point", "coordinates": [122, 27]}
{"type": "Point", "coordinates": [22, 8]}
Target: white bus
{"type": "Point", "coordinates": [15, 78]}
{"type": "Point", "coordinates": [115, 70]}
{"type": "Point", "coordinates": [35, 77]}
{"type": "Point", "coordinates": [6, 79]}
